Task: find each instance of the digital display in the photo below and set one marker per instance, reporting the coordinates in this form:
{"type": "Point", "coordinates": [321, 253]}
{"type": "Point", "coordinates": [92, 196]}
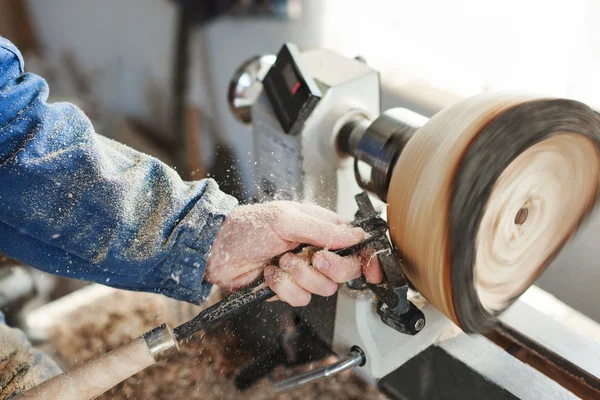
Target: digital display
{"type": "Point", "coordinates": [290, 79]}
{"type": "Point", "coordinates": [291, 90]}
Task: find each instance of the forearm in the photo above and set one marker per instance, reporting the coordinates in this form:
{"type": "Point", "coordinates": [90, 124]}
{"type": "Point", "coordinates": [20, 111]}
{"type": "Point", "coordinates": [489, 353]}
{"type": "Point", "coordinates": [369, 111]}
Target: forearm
{"type": "Point", "coordinates": [80, 205]}
{"type": "Point", "coordinates": [142, 249]}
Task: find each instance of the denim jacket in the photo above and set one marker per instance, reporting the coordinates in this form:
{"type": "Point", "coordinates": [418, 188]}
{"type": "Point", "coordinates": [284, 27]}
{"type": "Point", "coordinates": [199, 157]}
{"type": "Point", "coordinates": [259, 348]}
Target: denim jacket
{"type": "Point", "coordinates": [77, 204]}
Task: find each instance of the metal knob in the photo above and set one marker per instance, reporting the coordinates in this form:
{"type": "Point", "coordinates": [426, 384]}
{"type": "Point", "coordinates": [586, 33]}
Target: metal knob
{"type": "Point", "coordinates": [246, 85]}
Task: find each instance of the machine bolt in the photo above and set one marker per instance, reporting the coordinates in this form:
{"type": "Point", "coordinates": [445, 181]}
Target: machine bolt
{"type": "Point", "coordinates": [419, 324]}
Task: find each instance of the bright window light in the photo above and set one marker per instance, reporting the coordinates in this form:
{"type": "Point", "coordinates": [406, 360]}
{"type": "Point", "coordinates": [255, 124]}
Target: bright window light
{"type": "Point", "coordinates": [469, 46]}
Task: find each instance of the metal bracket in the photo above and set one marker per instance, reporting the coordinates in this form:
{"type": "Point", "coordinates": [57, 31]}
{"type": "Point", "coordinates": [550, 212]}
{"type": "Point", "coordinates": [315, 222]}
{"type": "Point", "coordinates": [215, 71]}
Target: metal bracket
{"type": "Point", "coordinates": [394, 308]}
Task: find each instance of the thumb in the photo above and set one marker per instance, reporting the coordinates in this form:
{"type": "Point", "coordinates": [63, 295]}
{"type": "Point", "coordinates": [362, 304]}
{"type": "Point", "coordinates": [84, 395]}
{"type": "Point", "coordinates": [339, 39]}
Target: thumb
{"type": "Point", "coordinates": [303, 228]}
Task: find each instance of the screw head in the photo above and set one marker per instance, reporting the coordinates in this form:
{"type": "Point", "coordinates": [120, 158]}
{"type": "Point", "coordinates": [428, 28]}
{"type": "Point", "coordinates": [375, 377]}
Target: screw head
{"type": "Point", "coordinates": [420, 324]}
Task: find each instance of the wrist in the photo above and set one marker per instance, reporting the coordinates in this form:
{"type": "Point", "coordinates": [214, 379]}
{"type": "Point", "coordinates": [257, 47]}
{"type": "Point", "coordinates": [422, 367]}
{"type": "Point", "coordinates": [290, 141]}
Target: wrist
{"type": "Point", "coordinates": [185, 268]}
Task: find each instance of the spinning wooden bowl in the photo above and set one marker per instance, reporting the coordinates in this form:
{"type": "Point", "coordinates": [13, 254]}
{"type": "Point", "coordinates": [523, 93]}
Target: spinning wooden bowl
{"type": "Point", "coordinates": [486, 193]}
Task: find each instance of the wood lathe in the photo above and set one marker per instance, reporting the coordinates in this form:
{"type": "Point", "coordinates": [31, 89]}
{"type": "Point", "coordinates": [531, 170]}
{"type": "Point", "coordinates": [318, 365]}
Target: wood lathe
{"type": "Point", "coordinates": [481, 197]}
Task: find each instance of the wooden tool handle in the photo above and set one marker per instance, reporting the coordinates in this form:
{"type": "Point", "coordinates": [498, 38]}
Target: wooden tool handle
{"type": "Point", "coordinates": [96, 376]}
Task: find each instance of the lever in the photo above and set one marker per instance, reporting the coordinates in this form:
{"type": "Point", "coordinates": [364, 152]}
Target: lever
{"type": "Point", "coordinates": [356, 358]}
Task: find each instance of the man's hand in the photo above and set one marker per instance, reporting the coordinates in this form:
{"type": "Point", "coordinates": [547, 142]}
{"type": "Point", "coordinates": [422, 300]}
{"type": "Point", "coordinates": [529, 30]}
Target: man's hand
{"type": "Point", "coordinates": [252, 236]}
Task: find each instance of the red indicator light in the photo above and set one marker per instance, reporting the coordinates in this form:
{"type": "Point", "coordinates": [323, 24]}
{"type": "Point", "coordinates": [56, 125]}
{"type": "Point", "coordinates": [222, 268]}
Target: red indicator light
{"type": "Point", "coordinates": [296, 87]}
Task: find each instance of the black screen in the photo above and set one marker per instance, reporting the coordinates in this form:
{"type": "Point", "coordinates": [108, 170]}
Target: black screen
{"type": "Point", "coordinates": [291, 89]}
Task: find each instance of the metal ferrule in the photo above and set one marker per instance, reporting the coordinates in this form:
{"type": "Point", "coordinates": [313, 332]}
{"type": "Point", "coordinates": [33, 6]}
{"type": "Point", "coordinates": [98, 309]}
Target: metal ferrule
{"type": "Point", "coordinates": [161, 341]}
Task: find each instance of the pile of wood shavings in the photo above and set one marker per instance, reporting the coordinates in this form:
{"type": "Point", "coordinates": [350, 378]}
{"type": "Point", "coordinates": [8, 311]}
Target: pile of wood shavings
{"type": "Point", "coordinates": [204, 368]}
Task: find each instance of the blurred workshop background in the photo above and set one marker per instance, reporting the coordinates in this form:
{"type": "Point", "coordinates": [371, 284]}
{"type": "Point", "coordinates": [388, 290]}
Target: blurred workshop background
{"type": "Point", "coordinates": [154, 73]}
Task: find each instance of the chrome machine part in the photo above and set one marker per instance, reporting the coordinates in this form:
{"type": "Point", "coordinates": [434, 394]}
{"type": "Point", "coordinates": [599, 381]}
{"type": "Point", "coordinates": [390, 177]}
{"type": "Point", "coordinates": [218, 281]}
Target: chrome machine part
{"type": "Point", "coordinates": [355, 358]}
{"type": "Point", "coordinates": [161, 341]}
{"type": "Point", "coordinates": [378, 144]}
{"type": "Point", "coordinates": [246, 86]}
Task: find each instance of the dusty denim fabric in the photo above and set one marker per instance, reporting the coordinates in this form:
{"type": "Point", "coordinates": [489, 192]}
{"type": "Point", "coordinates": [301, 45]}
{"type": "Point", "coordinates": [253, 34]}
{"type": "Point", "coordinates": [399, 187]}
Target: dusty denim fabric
{"type": "Point", "coordinates": [77, 204]}
{"type": "Point", "coordinates": [21, 366]}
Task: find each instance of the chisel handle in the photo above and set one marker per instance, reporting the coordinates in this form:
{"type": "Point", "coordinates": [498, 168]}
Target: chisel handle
{"type": "Point", "coordinates": [94, 377]}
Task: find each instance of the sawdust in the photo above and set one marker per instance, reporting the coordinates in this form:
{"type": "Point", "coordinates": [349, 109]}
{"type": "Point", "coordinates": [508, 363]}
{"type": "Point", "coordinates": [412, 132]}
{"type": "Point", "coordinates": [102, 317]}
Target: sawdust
{"type": "Point", "coordinates": [146, 188]}
{"type": "Point", "coordinates": [204, 368]}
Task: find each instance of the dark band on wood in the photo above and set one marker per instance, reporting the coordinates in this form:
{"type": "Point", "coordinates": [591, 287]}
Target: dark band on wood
{"type": "Point", "coordinates": [489, 154]}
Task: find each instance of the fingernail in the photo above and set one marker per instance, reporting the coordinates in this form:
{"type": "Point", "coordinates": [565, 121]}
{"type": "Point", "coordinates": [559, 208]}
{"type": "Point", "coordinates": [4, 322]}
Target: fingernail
{"type": "Point", "coordinates": [321, 263]}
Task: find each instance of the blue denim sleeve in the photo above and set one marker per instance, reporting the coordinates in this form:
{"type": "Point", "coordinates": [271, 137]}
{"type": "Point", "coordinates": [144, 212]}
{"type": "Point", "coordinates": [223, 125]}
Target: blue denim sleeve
{"type": "Point", "coordinates": [80, 205]}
